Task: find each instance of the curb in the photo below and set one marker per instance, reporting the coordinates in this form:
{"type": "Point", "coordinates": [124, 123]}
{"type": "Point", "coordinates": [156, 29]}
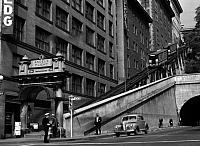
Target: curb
{"type": "Point", "coordinates": [40, 140]}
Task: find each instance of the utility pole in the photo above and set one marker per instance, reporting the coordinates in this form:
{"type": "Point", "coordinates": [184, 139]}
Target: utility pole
{"type": "Point", "coordinates": [71, 99]}
{"type": "Point", "coordinates": [71, 114]}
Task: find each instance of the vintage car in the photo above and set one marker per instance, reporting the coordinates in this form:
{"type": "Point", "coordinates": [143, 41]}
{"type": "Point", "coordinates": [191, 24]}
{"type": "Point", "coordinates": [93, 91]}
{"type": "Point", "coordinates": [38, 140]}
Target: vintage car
{"type": "Point", "coordinates": [133, 123]}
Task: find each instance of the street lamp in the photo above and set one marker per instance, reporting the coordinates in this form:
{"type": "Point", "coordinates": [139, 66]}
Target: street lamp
{"type": "Point", "coordinates": [71, 99]}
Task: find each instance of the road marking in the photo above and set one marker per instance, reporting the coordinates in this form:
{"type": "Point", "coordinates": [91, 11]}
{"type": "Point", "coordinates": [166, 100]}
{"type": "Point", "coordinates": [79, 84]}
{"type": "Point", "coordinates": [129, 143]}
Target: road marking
{"type": "Point", "coordinates": [120, 143]}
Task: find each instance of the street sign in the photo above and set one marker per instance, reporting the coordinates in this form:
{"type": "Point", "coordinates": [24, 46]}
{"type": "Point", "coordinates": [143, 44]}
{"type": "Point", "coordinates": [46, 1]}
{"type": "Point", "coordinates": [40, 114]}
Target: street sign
{"type": "Point", "coordinates": [71, 97]}
{"type": "Point", "coordinates": [76, 98]}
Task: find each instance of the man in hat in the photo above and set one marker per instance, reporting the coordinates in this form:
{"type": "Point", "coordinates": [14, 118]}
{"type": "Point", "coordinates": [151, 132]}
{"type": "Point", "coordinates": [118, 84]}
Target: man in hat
{"type": "Point", "coordinates": [97, 123]}
{"type": "Point", "coordinates": [46, 125]}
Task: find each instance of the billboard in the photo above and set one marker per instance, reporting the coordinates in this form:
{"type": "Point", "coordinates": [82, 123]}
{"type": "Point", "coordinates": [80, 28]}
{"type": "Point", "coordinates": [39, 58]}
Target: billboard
{"type": "Point", "coordinates": [7, 16]}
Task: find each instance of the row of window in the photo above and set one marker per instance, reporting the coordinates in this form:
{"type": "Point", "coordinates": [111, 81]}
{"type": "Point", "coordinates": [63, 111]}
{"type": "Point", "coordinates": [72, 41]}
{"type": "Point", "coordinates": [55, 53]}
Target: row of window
{"type": "Point", "coordinates": [42, 42]}
{"type": "Point", "coordinates": [42, 37]}
{"type": "Point", "coordinates": [92, 88]}
{"type": "Point", "coordinates": [43, 9]}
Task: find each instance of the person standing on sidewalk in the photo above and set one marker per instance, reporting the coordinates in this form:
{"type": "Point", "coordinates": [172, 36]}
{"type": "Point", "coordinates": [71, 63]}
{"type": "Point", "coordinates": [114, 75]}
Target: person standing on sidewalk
{"type": "Point", "coordinates": [97, 124]}
{"type": "Point", "coordinates": [46, 125]}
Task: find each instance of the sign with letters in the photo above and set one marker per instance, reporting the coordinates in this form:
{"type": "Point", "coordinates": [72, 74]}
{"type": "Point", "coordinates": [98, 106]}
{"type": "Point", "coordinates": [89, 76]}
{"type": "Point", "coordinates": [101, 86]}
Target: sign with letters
{"type": "Point", "coordinates": [41, 63]}
{"type": "Point", "coordinates": [7, 16]}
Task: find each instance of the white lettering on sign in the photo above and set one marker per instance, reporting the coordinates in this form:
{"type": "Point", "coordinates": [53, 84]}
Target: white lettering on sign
{"type": "Point", "coordinates": [41, 63]}
{"type": "Point", "coordinates": [8, 12]}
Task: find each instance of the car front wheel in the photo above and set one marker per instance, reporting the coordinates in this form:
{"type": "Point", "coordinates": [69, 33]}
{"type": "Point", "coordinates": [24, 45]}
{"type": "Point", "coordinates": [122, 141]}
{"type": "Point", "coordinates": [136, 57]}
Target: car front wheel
{"type": "Point", "coordinates": [136, 131]}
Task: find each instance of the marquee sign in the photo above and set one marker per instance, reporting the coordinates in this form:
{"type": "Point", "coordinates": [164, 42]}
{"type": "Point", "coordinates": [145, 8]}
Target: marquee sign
{"type": "Point", "coordinates": [41, 65]}
{"type": "Point", "coordinates": [7, 16]}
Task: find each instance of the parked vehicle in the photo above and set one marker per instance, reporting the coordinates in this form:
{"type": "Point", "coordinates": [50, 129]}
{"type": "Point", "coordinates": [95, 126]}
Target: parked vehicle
{"type": "Point", "coordinates": [133, 123]}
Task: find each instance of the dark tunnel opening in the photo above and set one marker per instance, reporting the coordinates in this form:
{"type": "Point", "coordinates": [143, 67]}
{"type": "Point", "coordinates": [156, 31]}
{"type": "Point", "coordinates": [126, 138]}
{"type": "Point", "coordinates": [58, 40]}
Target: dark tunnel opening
{"type": "Point", "coordinates": [190, 112]}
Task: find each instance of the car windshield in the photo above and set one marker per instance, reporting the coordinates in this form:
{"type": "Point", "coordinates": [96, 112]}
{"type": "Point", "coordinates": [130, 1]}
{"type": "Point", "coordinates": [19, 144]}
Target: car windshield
{"type": "Point", "coordinates": [129, 118]}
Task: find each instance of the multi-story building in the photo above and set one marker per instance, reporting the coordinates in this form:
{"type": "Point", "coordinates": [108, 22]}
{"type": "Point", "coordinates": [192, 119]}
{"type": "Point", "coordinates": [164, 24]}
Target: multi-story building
{"type": "Point", "coordinates": [161, 28]}
{"type": "Point", "coordinates": [132, 38]}
{"type": "Point", "coordinates": [176, 22]}
{"type": "Point", "coordinates": [84, 31]}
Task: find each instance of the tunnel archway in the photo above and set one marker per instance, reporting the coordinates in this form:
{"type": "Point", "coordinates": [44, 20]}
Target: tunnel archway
{"type": "Point", "coordinates": [190, 112]}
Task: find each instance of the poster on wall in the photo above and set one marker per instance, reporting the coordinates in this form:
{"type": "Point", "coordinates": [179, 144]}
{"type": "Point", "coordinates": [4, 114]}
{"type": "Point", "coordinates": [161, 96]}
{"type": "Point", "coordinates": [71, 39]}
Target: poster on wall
{"type": "Point", "coordinates": [7, 16]}
{"type": "Point", "coordinates": [17, 130]}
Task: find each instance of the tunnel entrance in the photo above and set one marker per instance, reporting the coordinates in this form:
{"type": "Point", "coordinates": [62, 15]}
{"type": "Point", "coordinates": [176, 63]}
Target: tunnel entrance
{"type": "Point", "coordinates": [190, 112]}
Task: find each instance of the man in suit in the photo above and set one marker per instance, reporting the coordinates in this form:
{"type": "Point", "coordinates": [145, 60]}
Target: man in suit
{"type": "Point", "coordinates": [46, 125]}
{"type": "Point", "coordinates": [97, 123]}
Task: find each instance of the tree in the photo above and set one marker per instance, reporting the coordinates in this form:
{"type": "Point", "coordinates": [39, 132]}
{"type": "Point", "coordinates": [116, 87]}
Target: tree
{"type": "Point", "coordinates": [192, 39]}
{"type": "Point", "coordinates": [197, 17]}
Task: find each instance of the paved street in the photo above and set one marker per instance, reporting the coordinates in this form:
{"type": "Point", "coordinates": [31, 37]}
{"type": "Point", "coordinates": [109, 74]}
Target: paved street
{"type": "Point", "coordinates": [187, 136]}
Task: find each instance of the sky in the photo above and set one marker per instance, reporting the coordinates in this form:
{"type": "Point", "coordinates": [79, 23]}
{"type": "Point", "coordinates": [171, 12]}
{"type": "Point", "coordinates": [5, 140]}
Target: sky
{"type": "Point", "coordinates": [187, 17]}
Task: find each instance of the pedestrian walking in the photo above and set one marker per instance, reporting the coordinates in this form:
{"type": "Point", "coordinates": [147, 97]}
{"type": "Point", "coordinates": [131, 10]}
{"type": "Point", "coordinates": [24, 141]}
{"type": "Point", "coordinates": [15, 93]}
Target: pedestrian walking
{"type": "Point", "coordinates": [54, 124]}
{"type": "Point", "coordinates": [46, 125]}
{"type": "Point", "coordinates": [160, 125]}
{"type": "Point", "coordinates": [170, 122]}
{"type": "Point", "coordinates": [97, 124]}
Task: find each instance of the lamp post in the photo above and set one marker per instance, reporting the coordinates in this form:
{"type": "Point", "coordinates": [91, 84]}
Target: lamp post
{"type": "Point", "coordinates": [71, 99]}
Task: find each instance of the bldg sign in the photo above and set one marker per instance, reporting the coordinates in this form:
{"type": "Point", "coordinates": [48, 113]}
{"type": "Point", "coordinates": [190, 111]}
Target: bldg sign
{"type": "Point", "coordinates": [41, 65]}
{"type": "Point", "coordinates": [7, 16]}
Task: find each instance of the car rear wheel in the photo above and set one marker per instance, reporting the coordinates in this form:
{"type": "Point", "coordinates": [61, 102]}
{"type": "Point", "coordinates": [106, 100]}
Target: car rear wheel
{"type": "Point", "coordinates": [117, 134]}
{"type": "Point", "coordinates": [145, 131]}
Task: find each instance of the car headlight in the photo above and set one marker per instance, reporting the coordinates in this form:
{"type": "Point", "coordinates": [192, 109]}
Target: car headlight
{"type": "Point", "coordinates": [118, 126]}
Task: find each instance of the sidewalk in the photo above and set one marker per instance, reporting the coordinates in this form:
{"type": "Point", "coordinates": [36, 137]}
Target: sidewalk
{"type": "Point", "coordinates": [89, 137]}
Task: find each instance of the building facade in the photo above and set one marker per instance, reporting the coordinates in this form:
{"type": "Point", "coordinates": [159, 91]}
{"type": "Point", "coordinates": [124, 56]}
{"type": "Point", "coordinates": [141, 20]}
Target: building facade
{"type": "Point", "coordinates": [176, 27]}
{"type": "Point", "coordinates": [132, 38]}
{"type": "Point", "coordinates": [84, 31]}
{"type": "Point", "coordinates": [161, 28]}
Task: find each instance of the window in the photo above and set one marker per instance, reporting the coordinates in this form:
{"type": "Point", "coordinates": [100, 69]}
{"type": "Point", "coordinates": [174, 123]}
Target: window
{"type": "Point", "coordinates": [66, 1]}
{"type": "Point", "coordinates": [100, 2]}
{"type": "Point", "coordinates": [90, 61]}
{"type": "Point", "coordinates": [100, 20]}
{"type": "Point", "coordinates": [76, 55]}
{"type": "Point", "coordinates": [90, 87]}
{"type": "Point", "coordinates": [19, 28]}
{"type": "Point", "coordinates": [101, 67]}
{"type": "Point", "coordinates": [111, 49]}
{"type": "Point", "coordinates": [127, 43]}
{"type": "Point", "coordinates": [76, 27]}
{"type": "Point", "coordinates": [62, 45]}
{"type": "Point", "coordinates": [101, 88]}
{"type": "Point", "coordinates": [43, 8]}
{"type": "Point", "coordinates": [62, 19]}
{"type": "Point", "coordinates": [100, 43]}
{"type": "Point", "coordinates": [15, 65]}
{"type": "Point", "coordinates": [76, 83]}
{"type": "Point", "coordinates": [77, 5]}
{"type": "Point", "coordinates": [41, 39]}
{"type": "Point", "coordinates": [111, 71]}
{"type": "Point", "coordinates": [128, 62]}
{"type": "Point", "coordinates": [90, 36]}
{"type": "Point", "coordinates": [110, 7]}
{"type": "Point", "coordinates": [110, 28]}
{"type": "Point", "coordinates": [89, 12]}
{"type": "Point", "coordinates": [20, 2]}
{"type": "Point", "coordinates": [134, 45]}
